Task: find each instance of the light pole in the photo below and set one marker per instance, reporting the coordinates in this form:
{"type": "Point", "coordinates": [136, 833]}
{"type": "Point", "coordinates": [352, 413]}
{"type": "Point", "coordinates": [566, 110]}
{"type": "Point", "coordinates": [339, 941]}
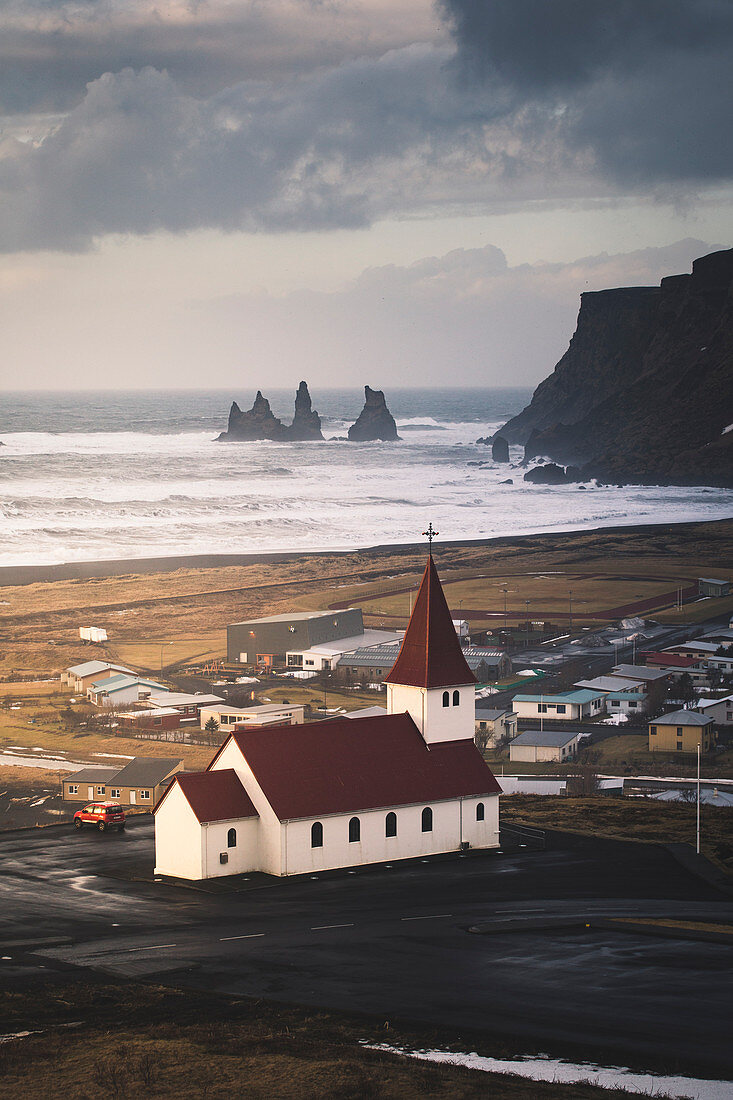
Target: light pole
{"type": "Point", "coordinates": [570, 602]}
{"type": "Point", "coordinates": [526, 608]}
{"type": "Point", "coordinates": [697, 831]}
{"type": "Point", "coordinates": [162, 645]}
{"type": "Point", "coordinates": [504, 591]}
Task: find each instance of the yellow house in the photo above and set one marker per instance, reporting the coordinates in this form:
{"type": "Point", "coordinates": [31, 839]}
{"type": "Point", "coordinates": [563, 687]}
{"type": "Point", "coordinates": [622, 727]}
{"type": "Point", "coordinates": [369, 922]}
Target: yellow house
{"type": "Point", "coordinates": [681, 731]}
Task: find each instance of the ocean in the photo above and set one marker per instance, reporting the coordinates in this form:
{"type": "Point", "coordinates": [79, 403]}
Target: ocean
{"type": "Point", "coordinates": [89, 476]}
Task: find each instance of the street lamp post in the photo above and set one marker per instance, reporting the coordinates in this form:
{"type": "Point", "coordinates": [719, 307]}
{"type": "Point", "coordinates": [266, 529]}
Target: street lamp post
{"type": "Point", "coordinates": [504, 591]}
{"type": "Point", "coordinates": [526, 608]}
{"type": "Point", "coordinates": [570, 602]}
{"type": "Point", "coordinates": [697, 830]}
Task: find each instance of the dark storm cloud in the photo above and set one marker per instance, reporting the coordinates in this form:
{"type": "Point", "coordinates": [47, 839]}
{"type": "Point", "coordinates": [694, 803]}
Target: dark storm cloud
{"type": "Point", "coordinates": [644, 88]}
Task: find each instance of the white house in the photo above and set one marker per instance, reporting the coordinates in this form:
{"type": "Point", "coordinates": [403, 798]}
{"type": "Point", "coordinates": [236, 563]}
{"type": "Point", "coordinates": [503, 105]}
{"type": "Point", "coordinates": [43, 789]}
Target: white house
{"type": "Point", "coordinates": [118, 690]}
{"type": "Point", "coordinates": [344, 792]}
{"type": "Point", "coordinates": [625, 702]}
{"type": "Point", "coordinates": [540, 745]}
{"type": "Point", "coordinates": [720, 710]}
{"type": "Point", "coordinates": [326, 655]}
{"type": "Point", "coordinates": [264, 714]}
{"type": "Point", "coordinates": [581, 703]}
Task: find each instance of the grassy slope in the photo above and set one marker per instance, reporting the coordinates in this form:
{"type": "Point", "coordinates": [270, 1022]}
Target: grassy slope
{"type": "Point", "coordinates": [637, 819]}
{"type": "Point", "coordinates": [146, 1040]}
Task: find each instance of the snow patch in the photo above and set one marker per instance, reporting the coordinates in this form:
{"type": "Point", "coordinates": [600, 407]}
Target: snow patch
{"type": "Point", "coordinates": [543, 1068]}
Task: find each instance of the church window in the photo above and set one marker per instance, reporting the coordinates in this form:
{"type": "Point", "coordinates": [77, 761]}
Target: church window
{"type": "Point", "coordinates": [479, 811]}
{"type": "Point", "coordinates": [354, 830]}
{"type": "Point", "coordinates": [232, 838]}
{"type": "Point", "coordinates": [446, 698]}
{"type": "Point", "coordinates": [427, 820]}
{"type": "Point", "coordinates": [456, 698]}
{"type": "Point", "coordinates": [316, 835]}
{"type": "Point", "coordinates": [390, 824]}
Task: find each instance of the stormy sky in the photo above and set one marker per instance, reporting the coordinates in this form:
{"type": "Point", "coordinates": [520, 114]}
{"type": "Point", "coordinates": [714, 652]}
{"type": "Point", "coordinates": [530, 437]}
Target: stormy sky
{"type": "Point", "coordinates": [222, 192]}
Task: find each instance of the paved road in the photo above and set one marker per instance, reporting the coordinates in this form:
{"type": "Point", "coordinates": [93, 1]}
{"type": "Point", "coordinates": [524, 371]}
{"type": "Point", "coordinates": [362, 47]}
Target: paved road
{"type": "Point", "coordinates": [393, 941]}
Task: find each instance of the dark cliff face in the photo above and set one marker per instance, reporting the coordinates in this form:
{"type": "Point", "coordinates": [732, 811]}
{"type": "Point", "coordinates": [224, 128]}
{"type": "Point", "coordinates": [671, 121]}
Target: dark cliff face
{"type": "Point", "coordinates": [375, 420]}
{"type": "Point", "coordinates": [645, 391]}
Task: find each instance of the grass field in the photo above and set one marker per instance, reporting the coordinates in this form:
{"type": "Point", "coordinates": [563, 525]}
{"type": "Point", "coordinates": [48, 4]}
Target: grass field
{"type": "Point", "coordinates": [117, 1040]}
{"type": "Point", "coordinates": [636, 819]}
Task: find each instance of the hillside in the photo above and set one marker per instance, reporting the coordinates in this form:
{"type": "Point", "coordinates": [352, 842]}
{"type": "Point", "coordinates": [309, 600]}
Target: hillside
{"type": "Point", "coordinates": [644, 392]}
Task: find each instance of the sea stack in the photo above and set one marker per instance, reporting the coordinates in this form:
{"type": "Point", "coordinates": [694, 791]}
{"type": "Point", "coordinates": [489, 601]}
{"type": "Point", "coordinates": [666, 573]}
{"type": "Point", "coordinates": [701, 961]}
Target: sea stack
{"type": "Point", "coordinates": [500, 449]}
{"type": "Point", "coordinates": [259, 422]}
{"type": "Point", "coordinates": [306, 422]}
{"type": "Point", "coordinates": [375, 420]}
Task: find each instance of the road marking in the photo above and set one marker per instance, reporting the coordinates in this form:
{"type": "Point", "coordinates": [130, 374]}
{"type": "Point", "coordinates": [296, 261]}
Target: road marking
{"type": "Point", "coordinates": [249, 936]}
{"type": "Point", "coordinates": [156, 947]}
{"type": "Point", "coordinates": [322, 927]}
{"type": "Point", "coordinates": [431, 916]}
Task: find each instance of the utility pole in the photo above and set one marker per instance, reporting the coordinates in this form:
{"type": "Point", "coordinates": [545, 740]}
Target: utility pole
{"type": "Point", "coordinates": [526, 607]}
{"type": "Point", "coordinates": [697, 831]}
{"type": "Point", "coordinates": [504, 591]}
{"type": "Point", "coordinates": [570, 602]}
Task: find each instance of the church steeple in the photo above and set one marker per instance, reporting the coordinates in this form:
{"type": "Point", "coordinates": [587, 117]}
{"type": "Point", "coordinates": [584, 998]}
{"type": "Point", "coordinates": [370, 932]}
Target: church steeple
{"type": "Point", "coordinates": [430, 655]}
{"type": "Point", "coordinates": [430, 678]}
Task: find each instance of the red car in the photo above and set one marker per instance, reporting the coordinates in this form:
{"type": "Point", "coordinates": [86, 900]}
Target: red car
{"type": "Point", "coordinates": [102, 814]}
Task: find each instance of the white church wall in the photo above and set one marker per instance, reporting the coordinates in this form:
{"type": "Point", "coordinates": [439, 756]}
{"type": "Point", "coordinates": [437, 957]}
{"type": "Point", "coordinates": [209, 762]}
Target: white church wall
{"type": "Point", "coordinates": [435, 721]}
{"type": "Point", "coordinates": [178, 838]}
{"type": "Point", "coordinates": [243, 857]}
{"type": "Point", "coordinates": [452, 823]}
{"type": "Point", "coordinates": [271, 833]}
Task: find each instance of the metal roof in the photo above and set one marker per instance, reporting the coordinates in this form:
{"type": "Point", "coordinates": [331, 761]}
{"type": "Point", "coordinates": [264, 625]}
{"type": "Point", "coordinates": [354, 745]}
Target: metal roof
{"type": "Point", "coordinates": [607, 683]}
{"type": "Point", "coordinates": [382, 656]}
{"type": "Point", "coordinates": [92, 775]}
{"type": "Point", "coordinates": [88, 668]}
{"type": "Point", "coordinates": [682, 718]}
{"type": "Point", "coordinates": [545, 738]}
{"type": "Point", "coordinates": [490, 714]}
{"type": "Point", "coordinates": [294, 617]}
{"type": "Point", "coordinates": [119, 683]}
{"type": "Point", "coordinates": [146, 771]}
{"type": "Point", "coordinates": [581, 696]}
{"type": "Point", "coordinates": [638, 672]}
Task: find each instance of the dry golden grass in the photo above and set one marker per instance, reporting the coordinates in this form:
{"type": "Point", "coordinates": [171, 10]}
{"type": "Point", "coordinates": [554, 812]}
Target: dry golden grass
{"type": "Point", "coordinates": [635, 819]}
{"type": "Point", "coordinates": [190, 606]}
{"type": "Point", "coordinates": [137, 1040]}
{"type": "Point", "coordinates": [688, 925]}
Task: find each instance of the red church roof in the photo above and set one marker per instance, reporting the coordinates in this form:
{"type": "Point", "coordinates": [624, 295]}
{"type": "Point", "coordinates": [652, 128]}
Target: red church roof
{"type": "Point", "coordinates": [431, 655]}
{"type": "Point", "coordinates": [353, 764]}
{"type": "Point", "coordinates": [214, 796]}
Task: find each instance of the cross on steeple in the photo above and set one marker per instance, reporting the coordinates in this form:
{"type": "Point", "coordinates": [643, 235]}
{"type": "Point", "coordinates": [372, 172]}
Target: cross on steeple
{"type": "Point", "coordinates": [430, 534]}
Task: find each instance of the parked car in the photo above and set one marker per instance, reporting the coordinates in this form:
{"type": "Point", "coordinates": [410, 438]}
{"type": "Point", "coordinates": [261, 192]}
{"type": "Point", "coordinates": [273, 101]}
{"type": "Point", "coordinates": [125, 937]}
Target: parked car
{"type": "Point", "coordinates": [104, 815]}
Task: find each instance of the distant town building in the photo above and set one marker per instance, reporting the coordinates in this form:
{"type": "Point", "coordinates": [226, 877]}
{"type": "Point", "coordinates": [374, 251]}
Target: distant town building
{"type": "Point", "coordinates": [536, 746]}
{"type": "Point", "coordinates": [80, 677]}
{"type": "Point", "coordinates": [493, 724]}
{"type": "Point", "coordinates": [139, 783]}
{"type": "Point", "coordinates": [264, 714]}
{"type": "Point", "coordinates": [574, 705]}
{"type": "Point", "coordinates": [115, 691]}
{"type": "Point", "coordinates": [266, 641]}
{"type": "Point", "coordinates": [713, 586]}
{"type": "Point", "coordinates": [720, 710]}
{"type": "Point", "coordinates": [681, 731]}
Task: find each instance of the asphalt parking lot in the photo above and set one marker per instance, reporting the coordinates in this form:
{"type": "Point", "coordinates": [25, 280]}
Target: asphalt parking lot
{"type": "Point", "coordinates": [395, 941]}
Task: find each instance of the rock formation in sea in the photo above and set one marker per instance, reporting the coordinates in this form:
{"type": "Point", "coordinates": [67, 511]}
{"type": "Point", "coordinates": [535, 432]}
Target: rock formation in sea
{"type": "Point", "coordinates": [644, 393]}
{"type": "Point", "coordinates": [500, 449]}
{"type": "Point", "coordinates": [259, 422]}
{"type": "Point", "coordinates": [375, 420]}
{"type": "Point", "coordinates": [306, 422]}
{"type": "Point", "coordinates": [551, 474]}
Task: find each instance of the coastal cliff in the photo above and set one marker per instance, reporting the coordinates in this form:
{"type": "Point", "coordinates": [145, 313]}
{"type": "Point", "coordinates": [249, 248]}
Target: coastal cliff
{"type": "Point", "coordinates": [259, 422]}
{"type": "Point", "coordinates": [644, 392]}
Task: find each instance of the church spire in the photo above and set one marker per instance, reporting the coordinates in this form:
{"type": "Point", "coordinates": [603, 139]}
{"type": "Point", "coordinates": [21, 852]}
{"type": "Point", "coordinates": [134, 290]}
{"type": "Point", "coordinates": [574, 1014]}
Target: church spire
{"type": "Point", "coordinates": [430, 655]}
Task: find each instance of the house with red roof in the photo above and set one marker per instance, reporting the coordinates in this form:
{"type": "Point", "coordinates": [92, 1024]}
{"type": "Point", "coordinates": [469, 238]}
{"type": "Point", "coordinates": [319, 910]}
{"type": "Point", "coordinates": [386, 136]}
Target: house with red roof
{"type": "Point", "coordinates": [296, 799]}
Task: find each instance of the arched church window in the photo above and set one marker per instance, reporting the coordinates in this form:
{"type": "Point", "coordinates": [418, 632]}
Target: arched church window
{"type": "Point", "coordinates": [427, 820]}
{"type": "Point", "coordinates": [480, 811]}
{"type": "Point", "coordinates": [456, 698]}
{"type": "Point", "coordinates": [390, 824]}
{"type": "Point", "coordinates": [316, 835]}
{"type": "Point", "coordinates": [446, 698]}
{"type": "Point", "coordinates": [354, 830]}
{"type": "Point", "coordinates": [232, 838]}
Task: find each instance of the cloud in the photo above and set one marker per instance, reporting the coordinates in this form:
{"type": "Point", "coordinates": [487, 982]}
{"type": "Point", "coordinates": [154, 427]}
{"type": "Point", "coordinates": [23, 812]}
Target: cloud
{"type": "Point", "coordinates": [643, 89]}
{"type": "Point", "coordinates": [597, 101]}
{"type": "Point", "coordinates": [467, 314]}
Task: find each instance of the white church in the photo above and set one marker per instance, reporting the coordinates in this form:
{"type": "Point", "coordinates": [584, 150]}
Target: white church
{"type": "Point", "coordinates": [295, 799]}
